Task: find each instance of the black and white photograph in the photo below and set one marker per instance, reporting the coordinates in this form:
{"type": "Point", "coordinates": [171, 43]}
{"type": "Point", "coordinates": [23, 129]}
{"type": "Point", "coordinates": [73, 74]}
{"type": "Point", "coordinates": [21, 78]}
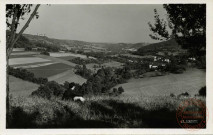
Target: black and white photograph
{"type": "Point", "coordinates": [106, 66]}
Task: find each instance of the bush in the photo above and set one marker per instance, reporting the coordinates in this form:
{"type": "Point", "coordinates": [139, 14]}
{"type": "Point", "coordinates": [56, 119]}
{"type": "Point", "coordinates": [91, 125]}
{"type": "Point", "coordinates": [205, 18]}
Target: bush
{"type": "Point", "coordinates": [49, 90]}
{"type": "Point", "coordinates": [202, 91]}
{"type": "Point", "coordinates": [45, 53]}
{"type": "Point", "coordinates": [72, 90]}
{"type": "Point", "coordinates": [172, 95]}
{"type": "Point", "coordinates": [185, 94]}
{"type": "Point", "coordinates": [120, 90]}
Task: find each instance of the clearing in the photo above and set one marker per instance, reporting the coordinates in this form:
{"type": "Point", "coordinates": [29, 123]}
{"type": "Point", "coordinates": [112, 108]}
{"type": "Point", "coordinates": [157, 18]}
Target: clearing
{"type": "Point", "coordinates": [190, 81]}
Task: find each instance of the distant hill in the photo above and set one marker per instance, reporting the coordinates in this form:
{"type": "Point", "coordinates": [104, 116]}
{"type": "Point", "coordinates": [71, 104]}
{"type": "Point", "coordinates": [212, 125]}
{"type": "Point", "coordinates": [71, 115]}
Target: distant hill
{"type": "Point", "coordinates": [22, 42]}
{"type": "Point", "coordinates": [76, 43]}
{"type": "Point", "coordinates": [169, 46]}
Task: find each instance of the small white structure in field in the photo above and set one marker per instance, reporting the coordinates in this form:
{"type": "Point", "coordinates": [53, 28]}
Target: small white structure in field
{"type": "Point", "coordinates": [79, 98]}
{"type": "Point", "coordinates": [155, 58]}
{"type": "Point", "coordinates": [73, 88]}
{"type": "Point", "coordinates": [192, 58]}
{"type": "Point", "coordinates": [167, 60]}
{"type": "Point", "coordinates": [154, 66]}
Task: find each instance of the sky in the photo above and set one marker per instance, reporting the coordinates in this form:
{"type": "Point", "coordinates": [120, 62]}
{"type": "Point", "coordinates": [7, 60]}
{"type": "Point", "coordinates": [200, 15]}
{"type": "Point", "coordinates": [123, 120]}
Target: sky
{"type": "Point", "coordinates": [96, 23]}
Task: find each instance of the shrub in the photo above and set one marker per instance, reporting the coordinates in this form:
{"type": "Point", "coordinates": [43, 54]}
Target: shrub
{"type": "Point", "coordinates": [49, 90]}
{"type": "Point", "coordinates": [202, 91]}
{"type": "Point", "coordinates": [45, 53]}
{"type": "Point", "coordinates": [185, 94]}
{"type": "Point", "coordinates": [172, 95]}
{"type": "Point", "coordinates": [70, 93]}
{"type": "Point", "coordinates": [120, 90]}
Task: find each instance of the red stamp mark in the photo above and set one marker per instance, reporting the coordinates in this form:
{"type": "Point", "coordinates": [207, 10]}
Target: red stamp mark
{"type": "Point", "coordinates": [192, 114]}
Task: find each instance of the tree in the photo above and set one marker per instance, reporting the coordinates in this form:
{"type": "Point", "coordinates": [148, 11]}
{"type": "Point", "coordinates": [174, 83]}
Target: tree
{"type": "Point", "coordinates": [120, 90]}
{"type": "Point", "coordinates": [15, 12]}
{"type": "Point", "coordinates": [187, 23]}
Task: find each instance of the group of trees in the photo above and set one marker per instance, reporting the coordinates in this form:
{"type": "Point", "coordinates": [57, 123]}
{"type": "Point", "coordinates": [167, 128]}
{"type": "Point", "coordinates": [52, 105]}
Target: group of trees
{"type": "Point", "coordinates": [45, 53]}
{"type": "Point", "coordinates": [48, 47]}
{"type": "Point", "coordinates": [26, 75]}
{"type": "Point", "coordinates": [187, 23]}
{"type": "Point", "coordinates": [98, 84]}
{"type": "Point", "coordinates": [50, 90]}
{"type": "Point", "coordinates": [81, 61]}
{"type": "Point", "coordinates": [83, 71]}
{"type": "Point", "coordinates": [118, 91]}
{"type": "Point", "coordinates": [102, 81]}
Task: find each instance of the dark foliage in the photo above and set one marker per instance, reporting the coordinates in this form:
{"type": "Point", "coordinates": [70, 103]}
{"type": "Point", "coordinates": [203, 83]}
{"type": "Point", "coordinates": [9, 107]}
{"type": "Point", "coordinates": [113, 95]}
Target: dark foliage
{"type": "Point", "coordinates": [48, 47]}
{"type": "Point", "coordinates": [81, 61]}
{"type": "Point", "coordinates": [72, 90]}
{"type": "Point", "coordinates": [17, 118]}
{"type": "Point", "coordinates": [188, 25]}
{"type": "Point", "coordinates": [45, 53]}
{"type": "Point", "coordinates": [49, 90]}
{"type": "Point", "coordinates": [202, 91]}
{"type": "Point", "coordinates": [83, 71]}
{"type": "Point", "coordinates": [185, 94]}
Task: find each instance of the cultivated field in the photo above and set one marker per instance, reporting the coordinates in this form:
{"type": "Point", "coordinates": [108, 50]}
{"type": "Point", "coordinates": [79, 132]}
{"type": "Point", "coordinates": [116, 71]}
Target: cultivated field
{"type": "Point", "coordinates": [49, 70]}
{"type": "Point", "coordinates": [26, 60]}
{"type": "Point", "coordinates": [56, 54]}
{"type": "Point", "coordinates": [25, 53]}
{"type": "Point", "coordinates": [21, 56]}
{"type": "Point", "coordinates": [190, 81]}
{"type": "Point", "coordinates": [19, 87]}
{"type": "Point", "coordinates": [34, 65]}
{"type": "Point", "coordinates": [68, 76]}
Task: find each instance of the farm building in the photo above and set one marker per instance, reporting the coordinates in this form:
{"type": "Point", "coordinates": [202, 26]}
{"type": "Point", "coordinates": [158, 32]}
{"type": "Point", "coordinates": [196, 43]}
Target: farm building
{"type": "Point", "coordinates": [161, 59]}
{"type": "Point", "coordinates": [156, 65]}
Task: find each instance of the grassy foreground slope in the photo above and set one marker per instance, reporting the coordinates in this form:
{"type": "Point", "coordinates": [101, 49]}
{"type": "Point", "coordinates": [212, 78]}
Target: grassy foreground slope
{"type": "Point", "coordinates": [96, 112]}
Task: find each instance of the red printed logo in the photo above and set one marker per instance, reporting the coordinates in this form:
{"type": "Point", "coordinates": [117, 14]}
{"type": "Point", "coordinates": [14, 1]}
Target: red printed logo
{"type": "Point", "coordinates": [192, 114]}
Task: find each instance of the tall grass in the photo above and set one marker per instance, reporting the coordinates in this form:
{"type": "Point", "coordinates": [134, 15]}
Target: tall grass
{"type": "Point", "coordinates": [96, 112]}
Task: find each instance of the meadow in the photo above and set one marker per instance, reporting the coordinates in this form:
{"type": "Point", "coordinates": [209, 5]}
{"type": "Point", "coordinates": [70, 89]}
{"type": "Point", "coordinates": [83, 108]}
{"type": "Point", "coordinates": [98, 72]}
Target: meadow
{"type": "Point", "coordinates": [190, 81]}
{"type": "Point", "coordinates": [19, 87]}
